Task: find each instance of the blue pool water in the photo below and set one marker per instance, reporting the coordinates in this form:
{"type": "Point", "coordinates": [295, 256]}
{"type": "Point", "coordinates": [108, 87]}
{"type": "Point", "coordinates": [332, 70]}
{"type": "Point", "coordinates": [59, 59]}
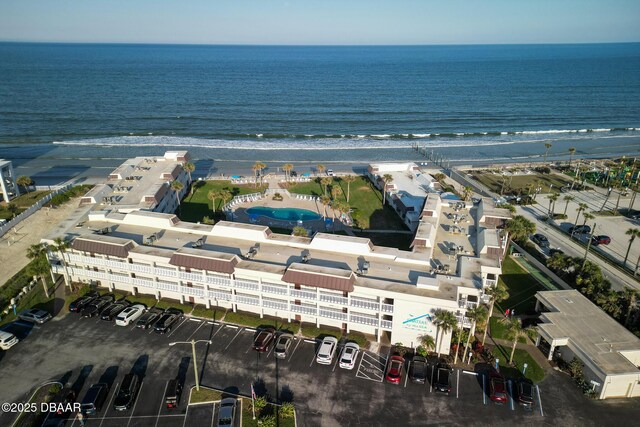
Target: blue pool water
{"type": "Point", "coordinates": [287, 214]}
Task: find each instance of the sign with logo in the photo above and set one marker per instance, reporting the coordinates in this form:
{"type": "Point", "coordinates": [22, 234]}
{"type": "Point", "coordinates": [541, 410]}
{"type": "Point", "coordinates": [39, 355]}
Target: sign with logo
{"type": "Point", "coordinates": [422, 323]}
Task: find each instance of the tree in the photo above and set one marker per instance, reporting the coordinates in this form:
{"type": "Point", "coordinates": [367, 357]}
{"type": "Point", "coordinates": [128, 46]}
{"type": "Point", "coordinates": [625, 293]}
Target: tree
{"type": "Point", "coordinates": [632, 233]}
{"type": "Point", "coordinates": [287, 168]}
{"type": "Point", "coordinates": [300, 232]}
{"type": "Point", "coordinates": [514, 330]}
{"type": "Point", "coordinates": [257, 168]}
{"type": "Point", "coordinates": [348, 179]}
{"type": "Point", "coordinates": [38, 253]}
{"type": "Point", "coordinates": [225, 195]}
{"type": "Point", "coordinates": [467, 192]}
{"type": "Point", "coordinates": [567, 199]}
{"type": "Point", "coordinates": [581, 207]}
{"type": "Point", "coordinates": [386, 179]}
{"type": "Point", "coordinates": [11, 207]}
{"type": "Point", "coordinates": [177, 186]}
{"type": "Point", "coordinates": [587, 217]}
{"type": "Point", "coordinates": [478, 315]}
{"type": "Point", "coordinates": [336, 192]}
{"type": "Point", "coordinates": [553, 197]}
{"type": "Point", "coordinates": [445, 321]}
{"type": "Point", "coordinates": [630, 296]}
{"type": "Point", "coordinates": [190, 167]}
{"type": "Point", "coordinates": [325, 200]}
{"type": "Point", "coordinates": [326, 181]}
{"type": "Point", "coordinates": [440, 176]}
{"type": "Point", "coordinates": [620, 193]}
{"type": "Point", "coordinates": [547, 146]}
{"type": "Point", "coordinates": [24, 182]}
{"type": "Point", "coordinates": [213, 195]}
{"type": "Point", "coordinates": [498, 293]}
{"type": "Point", "coordinates": [320, 168]}
{"type": "Point", "coordinates": [60, 245]}
{"type": "Point", "coordinates": [606, 199]}
{"type": "Point", "coordinates": [519, 228]}
{"type": "Point", "coordinates": [572, 151]}
{"type": "Point", "coordinates": [609, 301]}
{"type": "Point", "coordinates": [427, 342]}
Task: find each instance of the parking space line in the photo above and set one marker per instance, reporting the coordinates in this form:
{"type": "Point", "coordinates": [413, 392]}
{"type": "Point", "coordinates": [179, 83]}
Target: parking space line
{"type": "Point", "coordinates": [199, 326]}
{"type": "Point", "coordinates": [336, 364]}
{"type": "Point", "coordinates": [406, 378]}
{"type": "Point", "coordinates": [136, 402]}
{"type": "Point", "coordinates": [184, 423]}
{"type": "Point", "coordinates": [193, 319]}
{"type": "Point", "coordinates": [232, 326]}
{"type": "Point", "coordinates": [215, 333]}
{"type": "Point", "coordinates": [458, 385]}
{"type": "Point", "coordinates": [294, 350]}
{"type": "Point", "coordinates": [162, 402]}
{"type": "Point", "coordinates": [484, 390]}
{"type": "Point", "coordinates": [170, 333]}
{"type": "Point", "coordinates": [235, 336]}
{"type": "Point", "coordinates": [511, 405]}
{"type": "Point", "coordinates": [315, 355]}
{"type": "Point", "coordinates": [539, 400]}
{"type": "Point", "coordinates": [431, 382]}
{"type": "Point", "coordinates": [250, 329]}
{"type": "Point", "coordinates": [271, 349]}
{"type": "Point", "coordinates": [108, 406]}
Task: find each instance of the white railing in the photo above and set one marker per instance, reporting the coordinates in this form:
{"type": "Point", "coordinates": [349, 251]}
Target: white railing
{"type": "Point", "coordinates": [278, 290]}
{"type": "Point", "coordinates": [303, 309]}
{"type": "Point", "coordinates": [364, 303]}
{"type": "Point", "coordinates": [245, 284]}
{"type": "Point", "coordinates": [247, 300]}
{"type": "Point", "coordinates": [141, 268]}
{"type": "Point", "coordinates": [163, 286]}
{"type": "Point", "coordinates": [466, 322]}
{"type": "Point", "coordinates": [222, 296]}
{"type": "Point", "coordinates": [220, 281]}
{"type": "Point", "coordinates": [331, 314]}
{"type": "Point", "coordinates": [274, 304]}
{"type": "Point", "coordinates": [386, 324]}
{"type": "Point", "coordinates": [364, 320]}
{"type": "Point", "coordinates": [334, 299]}
{"type": "Point", "coordinates": [303, 294]}
{"type": "Point", "coordinates": [198, 292]}
{"type": "Point", "coordinates": [387, 308]}
{"type": "Point", "coordinates": [159, 271]}
{"type": "Point", "coordinates": [489, 282]}
{"type": "Point", "coordinates": [191, 277]}
{"type": "Point", "coordinates": [144, 282]}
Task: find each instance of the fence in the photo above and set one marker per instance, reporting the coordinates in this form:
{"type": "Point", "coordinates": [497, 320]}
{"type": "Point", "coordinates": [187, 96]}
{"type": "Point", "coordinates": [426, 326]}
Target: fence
{"type": "Point", "coordinates": [31, 210]}
{"type": "Point", "coordinates": [466, 181]}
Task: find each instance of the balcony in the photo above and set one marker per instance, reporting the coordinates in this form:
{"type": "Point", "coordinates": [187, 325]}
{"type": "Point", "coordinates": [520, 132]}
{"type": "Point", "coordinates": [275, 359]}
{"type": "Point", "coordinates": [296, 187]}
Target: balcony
{"type": "Point", "coordinates": [196, 292]}
{"type": "Point", "coordinates": [221, 296]}
{"type": "Point", "coordinates": [463, 303]}
{"type": "Point", "coordinates": [159, 271]}
{"type": "Point", "coordinates": [141, 268]}
{"type": "Point", "coordinates": [332, 314]}
{"type": "Point", "coordinates": [334, 299]}
{"type": "Point", "coordinates": [247, 300]}
{"type": "Point", "coordinates": [304, 295]}
{"type": "Point", "coordinates": [191, 277]}
{"type": "Point", "coordinates": [278, 305]}
{"type": "Point", "coordinates": [273, 289]}
{"type": "Point", "coordinates": [386, 324]}
{"type": "Point", "coordinates": [219, 281]}
{"type": "Point", "coordinates": [303, 309]}
{"type": "Point", "coordinates": [171, 287]}
{"type": "Point", "coordinates": [489, 282]}
{"type": "Point", "coordinates": [387, 308]}
{"type": "Point", "coordinates": [245, 284]}
{"type": "Point", "coordinates": [364, 320]}
{"type": "Point", "coordinates": [365, 303]}
{"type": "Point", "coordinates": [145, 283]}
{"type": "Point", "coordinates": [465, 321]}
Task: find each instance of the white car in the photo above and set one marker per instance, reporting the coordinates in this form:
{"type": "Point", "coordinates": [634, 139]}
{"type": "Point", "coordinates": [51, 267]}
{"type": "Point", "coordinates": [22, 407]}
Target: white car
{"type": "Point", "coordinates": [7, 340]}
{"type": "Point", "coordinates": [327, 350]}
{"type": "Point", "coordinates": [130, 315]}
{"type": "Point", "coordinates": [349, 355]}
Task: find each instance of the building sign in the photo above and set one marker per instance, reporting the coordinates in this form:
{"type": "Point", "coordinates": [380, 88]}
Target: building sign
{"type": "Point", "coordinates": [422, 323]}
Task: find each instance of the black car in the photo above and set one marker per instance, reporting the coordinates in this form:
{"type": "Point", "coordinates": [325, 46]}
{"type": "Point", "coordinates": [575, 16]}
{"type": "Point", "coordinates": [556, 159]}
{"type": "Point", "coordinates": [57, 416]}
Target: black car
{"type": "Point", "coordinates": [580, 229]}
{"type": "Point", "coordinates": [418, 371]}
{"type": "Point", "coordinates": [113, 309]}
{"type": "Point", "coordinates": [172, 394]}
{"type": "Point", "coordinates": [148, 319]}
{"type": "Point", "coordinates": [442, 378]}
{"type": "Point", "coordinates": [169, 318]}
{"type": "Point", "coordinates": [96, 306]}
{"type": "Point", "coordinates": [94, 398]}
{"type": "Point", "coordinates": [79, 303]}
{"type": "Point", "coordinates": [127, 392]}
{"type": "Point", "coordinates": [525, 392]}
{"type": "Point", "coordinates": [64, 399]}
{"type": "Point", "coordinates": [541, 240]}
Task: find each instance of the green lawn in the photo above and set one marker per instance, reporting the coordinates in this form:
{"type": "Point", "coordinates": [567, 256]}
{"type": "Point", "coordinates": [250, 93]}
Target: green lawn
{"type": "Point", "coordinates": [215, 313]}
{"type": "Point", "coordinates": [247, 415]}
{"type": "Point", "coordinates": [311, 331]}
{"type": "Point", "coordinates": [365, 201]}
{"type": "Point", "coordinates": [522, 287]}
{"type": "Point", "coordinates": [204, 395]}
{"type": "Point", "coordinates": [254, 320]}
{"type": "Point", "coordinates": [22, 202]}
{"type": "Point", "coordinates": [518, 183]}
{"type": "Point", "coordinates": [498, 329]}
{"type": "Point", "coordinates": [194, 207]}
{"type": "Point", "coordinates": [534, 371]}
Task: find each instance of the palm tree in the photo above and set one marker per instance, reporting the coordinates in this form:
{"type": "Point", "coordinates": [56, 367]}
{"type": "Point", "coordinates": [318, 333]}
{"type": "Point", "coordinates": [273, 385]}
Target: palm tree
{"type": "Point", "coordinates": [547, 145]}
{"type": "Point", "coordinates": [177, 186]}
{"type": "Point", "coordinates": [189, 167]}
{"type": "Point", "coordinates": [631, 297]}
{"type": "Point", "coordinates": [348, 179]}
{"type": "Point", "coordinates": [225, 195]}
{"type": "Point", "coordinates": [386, 179]}
{"type": "Point", "coordinates": [467, 192]}
{"type": "Point", "coordinates": [477, 315]}
{"type": "Point", "coordinates": [336, 192]}
{"type": "Point", "coordinates": [553, 197]}
{"type": "Point", "coordinates": [25, 182]}
{"type": "Point", "coordinates": [427, 342]}
{"type": "Point", "coordinates": [255, 168]}
{"type": "Point", "coordinates": [300, 232]}
{"type": "Point", "coordinates": [38, 253]}
{"type": "Point", "coordinates": [445, 321]}
{"type": "Point", "coordinates": [514, 330]}
{"type": "Point", "coordinates": [439, 176]}
{"type": "Point", "coordinates": [519, 228]}
{"type": "Point", "coordinates": [581, 207]}
{"type": "Point", "coordinates": [606, 199]}
{"type": "Point", "coordinates": [320, 168]}
{"type": "Point", "coordinates": [620, 193]}
{"type": "Point", "coordinates": [609, 301]}
{"type": "Point", "coordinates": [61, 245]}
{"type": "Point", "coordinates": [326, 181]}
{"type": "Point", "coordinates": [567, 199]}
{"type": "Point", "coordinates": [587, 217]}
{"type": "Point", "coordinates": [572, 151]}
{"type": "Point", "coordinates": [632, 233]}
{"type": "Point", "coordinates": [13, 208]}
{"type": "Point", "coordinates": [325, 200]}
{"type": "Point", "coordinates": [213, 195]}
{"type": "Point", "coordinates": [287, 168]}
{"type": "Point", "coordinates": [498, 294]}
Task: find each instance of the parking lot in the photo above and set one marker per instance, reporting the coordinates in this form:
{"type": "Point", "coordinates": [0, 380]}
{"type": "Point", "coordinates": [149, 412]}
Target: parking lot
{"type": "Point", "coordinates": [81, 352]}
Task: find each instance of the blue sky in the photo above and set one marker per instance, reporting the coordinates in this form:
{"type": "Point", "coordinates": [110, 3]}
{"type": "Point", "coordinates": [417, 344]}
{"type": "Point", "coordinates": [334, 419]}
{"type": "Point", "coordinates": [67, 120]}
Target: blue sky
{"type": "Point", "coordinates": [321, 21]}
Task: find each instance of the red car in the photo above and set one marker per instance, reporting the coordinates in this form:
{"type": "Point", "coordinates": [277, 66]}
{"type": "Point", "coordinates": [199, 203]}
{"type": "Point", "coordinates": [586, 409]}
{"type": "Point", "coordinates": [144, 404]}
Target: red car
{"type": "Point", "coordinates": [497, 388]}
{"type": "Point", "coordinates": [264, 338]}
{"type": "Point", "coordinates": [600, 240]}
{"type": "Point", "coordinates": [395, 369]}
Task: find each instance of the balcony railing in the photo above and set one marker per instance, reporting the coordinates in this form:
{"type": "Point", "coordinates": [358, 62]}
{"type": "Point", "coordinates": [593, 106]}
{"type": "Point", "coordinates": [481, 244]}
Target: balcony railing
{"type": "Point", "coordinates": [245, 284]}
{"type": "Point", "coordinates": [363, 303]}
{"type": "Point", "coordinates": [278, 305]}
{"type": "Point", "coordinates": [387, 308]}
{"type": "Point", "coordinates": [247, 300]}
{"type": "Point", "coordinates": [386, 324]}
{"type": "Point", "coordinates": [303, 309]}
{"type": "Point", "coordinates": [220, 281]}
{"type": "Point", "coordinates": [334, 299]}
{"type": "Point", "coordinates": [171, 287]}
{"type": "Point", "coordinates": [197, 292]}
{"type": "Point", "coordinates": [144, 282]}
{"type": "Point", "coordinates": [303, 295]}
{"type": "Point", "coordinates": [490, 282]}
{"type": "Point", "coordinates": [221, 296]}
{"type": "Point", "coordinates": [272, 289]}
{"type": "Point", "coordinates": [371, 321]}
{"type": "Point", "coordinates": [332, 314]}
{"type": "Point", "coordinates": [191, 277]}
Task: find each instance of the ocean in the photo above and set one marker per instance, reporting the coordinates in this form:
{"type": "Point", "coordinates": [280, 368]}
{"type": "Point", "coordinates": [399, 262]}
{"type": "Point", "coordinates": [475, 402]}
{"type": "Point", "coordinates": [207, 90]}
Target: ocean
{"type": "Point", "coordinates": [86, 105]}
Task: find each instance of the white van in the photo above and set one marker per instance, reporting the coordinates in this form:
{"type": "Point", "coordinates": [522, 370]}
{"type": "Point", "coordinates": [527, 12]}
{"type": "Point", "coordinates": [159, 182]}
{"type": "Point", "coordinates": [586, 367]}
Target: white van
{"type": "Point", "coordinates": [130, 315]}
{"type": "Point", "coordinates": [7, 340]}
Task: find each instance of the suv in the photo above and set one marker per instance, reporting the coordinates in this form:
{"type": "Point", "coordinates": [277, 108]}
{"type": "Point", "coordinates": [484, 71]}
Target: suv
{"type": "Point", "coordinates": [96, 306]}
{"type": "Point", "coordinates": [167, 320]}
{"type": "Point", "coordinates": [600, 240]}
{"type": "Point", "coordinates": [525, 393]}
{"type": "Point", "coordinates": [78, 304]}
{"type": "Point", "coordinates": [283, 343]}
{"type": "Point", "coordinates": [7, 340]}
{"type": "Point", "coordinates": [173, 393]}
{"type": "Point", "coordinates": [34, 315]}
{"type": "Point", "coordinates": [130, 314]}
{"type": "Point", "coordinates": [418, 372]}
{"type": "Point", "coordinates": [126, 393]}
{"type": "Point", "coordinates": [497, 388]}
{"type": "Point", "coordinates": [580, 229]}
{"type": "Point", "coordinates": [94, 398]}
{"type": "Point", "coordinates": [227, 412]}
{"type": "Point", "coordinates": [149, 318]}
{"type": "Point", "coordinates": [541, 240]}
{"type": "Point", "coordinates": [263, 339]}
{"type": "Point", "coordinates": [327, 350]}
{"type": "Point", "coordinates": [442, 381]}
{"type": "Point", "coordinates": [112, 310]}
{"type": "Point", "coordinates": [349, 355]}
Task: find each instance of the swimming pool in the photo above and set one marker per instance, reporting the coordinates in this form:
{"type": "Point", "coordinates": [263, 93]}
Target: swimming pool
{"type": "Point", "coordinates": [286, 214]}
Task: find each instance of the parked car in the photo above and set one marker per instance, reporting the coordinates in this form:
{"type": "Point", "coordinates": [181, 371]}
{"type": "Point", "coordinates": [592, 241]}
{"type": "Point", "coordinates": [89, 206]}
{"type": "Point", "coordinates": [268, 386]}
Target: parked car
{"type": "Point", "coordinates": [112, 310]}
{"type": "Point", "coordinates": [330, 172]}
{"type": "Point", "coordinates": [349, 355]}
{"type": "Point", "coordinates": [7, 340]}
{"type": "Point", "coordinates": [418, 372]}
{"type": "Point", "coordinates": [149, 318]}
{"type": "Point", "coordinates": [96, 306]}
{"type": "Point", "coordinates": [227, 412]}
{"type": "Point", "coordinates": [65, 398]}
{"type": "Point", "coordinates": [442, 380]}
{"type": "Point", "coordinates": [126, 394]}
{"type": "Point", "coordinates": [580, 229]}
{"type": "Point", "coordinates": [94, 398]}
{"type": "Point", "coordinates": [554, 251]}
{"type": "Point", "coordinates": [327, 350]}
{"type": "Point", "coordinates": [34, 315]}
{"type": "Point", "coordinates": [263, 339]}
{"type": "Point", "coordinates": [497, 388]}
{"type": "Point", "coordinates": [283, 343]}
{"type": "Point", "coordinates": [78, 304]}
{"type": "Point", "coordinates": [173, 393]}
{"type": "Point", "coordinates": [541, 240]}
{"type": "Point", "coordinates": [600, 240]}
{"type": "Point", "coordinates": [130, 315]}
{"type": "Point", "coordinates": [525, 392]}
{"type": "Point", "coordinates": [395, 369]}
{"type": "Point", "coordinates": [169, 318]}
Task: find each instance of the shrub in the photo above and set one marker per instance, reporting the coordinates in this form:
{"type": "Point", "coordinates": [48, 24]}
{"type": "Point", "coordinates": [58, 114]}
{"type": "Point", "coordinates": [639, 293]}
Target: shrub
{"type": "Point", "coordinates": [55, 388]}
{"type": "Point", "coordinates": [287, 410]}
{"type": "Point", "coordinates": [260, 403]}
{"type": "Point", "coordinates": [267, 421]}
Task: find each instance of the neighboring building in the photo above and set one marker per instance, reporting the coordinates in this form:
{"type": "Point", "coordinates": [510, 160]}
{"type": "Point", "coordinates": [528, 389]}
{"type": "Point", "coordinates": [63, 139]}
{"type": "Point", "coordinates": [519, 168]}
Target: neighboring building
{"type": "Point", "coordinates": [8, 186]}
{"type": "Point", "coordinates": [332, 280]}
{"type": "Point", "coordinates": [573, 326]}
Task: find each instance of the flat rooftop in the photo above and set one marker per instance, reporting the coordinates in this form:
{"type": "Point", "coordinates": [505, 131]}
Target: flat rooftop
{"type": "Point", "coordinates": [597, 335]}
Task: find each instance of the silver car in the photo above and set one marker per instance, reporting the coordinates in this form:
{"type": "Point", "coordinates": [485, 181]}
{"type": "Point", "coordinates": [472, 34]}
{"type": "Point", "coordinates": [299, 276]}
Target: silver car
{"type": "Point", "coordinates": [36, 316]}
{"type": "Point", "coordinates": [327, 350]}
{"type": "Point", "coordinates": [349, 355]}
{"type": "Point", "coordinates": [227, 412]}
{"type": "Point", "coordinates": [283, 343]}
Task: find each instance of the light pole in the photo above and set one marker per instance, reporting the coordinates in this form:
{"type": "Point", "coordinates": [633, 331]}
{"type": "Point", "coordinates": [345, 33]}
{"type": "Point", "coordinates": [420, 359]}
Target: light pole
{"type": "Point", "coordinates": [193, 348]}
